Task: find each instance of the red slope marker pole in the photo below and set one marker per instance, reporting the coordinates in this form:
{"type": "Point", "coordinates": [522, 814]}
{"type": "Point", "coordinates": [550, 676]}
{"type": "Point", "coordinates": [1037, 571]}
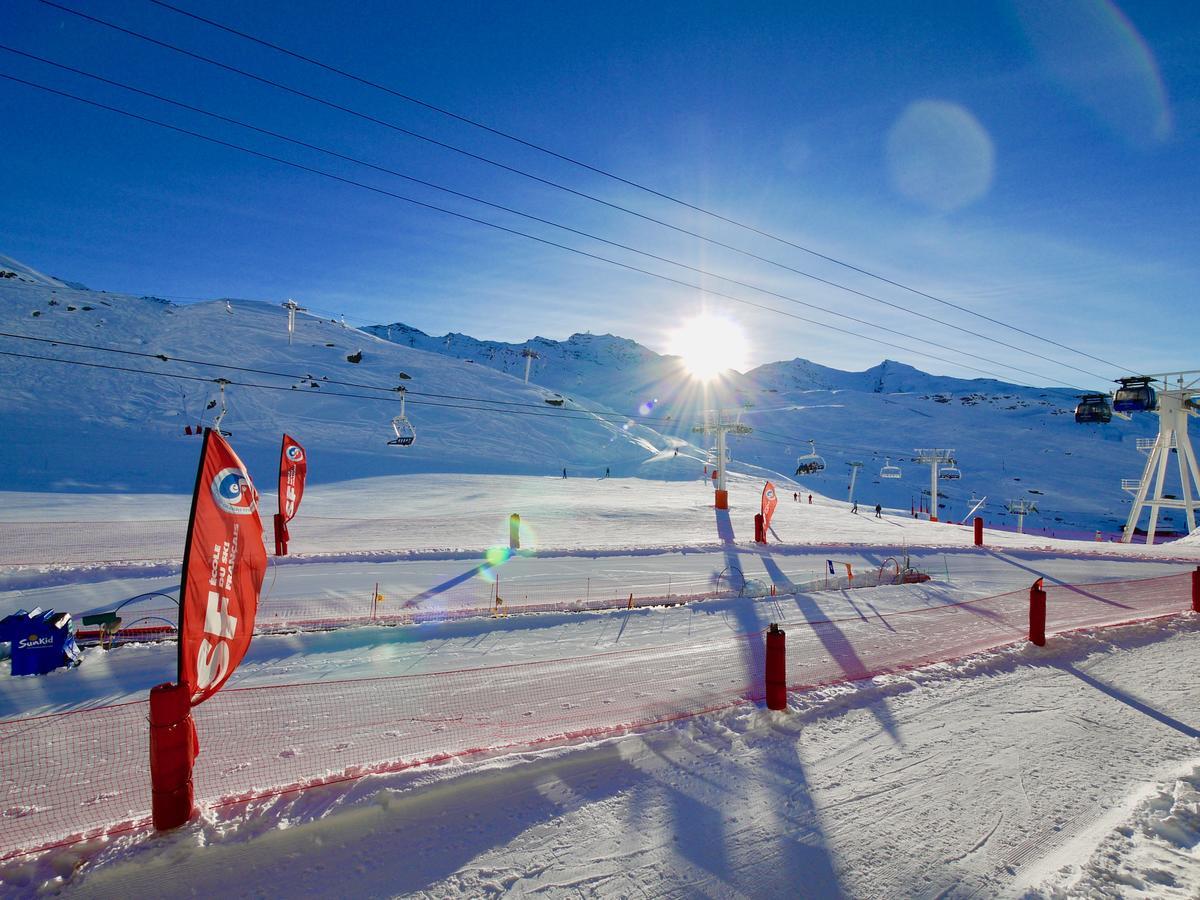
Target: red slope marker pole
{"type": "Point", "coordinates": [776, 679]}
{"type": "Point", "coordinates": [1037, 614]}
{"type": "Point", "coordinates": [173, 748]}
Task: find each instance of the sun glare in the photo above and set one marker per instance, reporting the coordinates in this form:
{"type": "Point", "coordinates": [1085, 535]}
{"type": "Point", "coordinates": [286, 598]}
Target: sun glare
{"type": "Point", "coordinates": [709, 345]}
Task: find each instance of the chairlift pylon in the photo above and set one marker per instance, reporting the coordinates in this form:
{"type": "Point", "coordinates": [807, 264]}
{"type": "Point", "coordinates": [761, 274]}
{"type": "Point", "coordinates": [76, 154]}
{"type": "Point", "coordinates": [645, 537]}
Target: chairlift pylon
{"type": "Point", "coordinates": [406, 435]}
{"type": "Point", "coordinates": [888, 470]}
{"type": "Point", "coordinates": [810, 462]}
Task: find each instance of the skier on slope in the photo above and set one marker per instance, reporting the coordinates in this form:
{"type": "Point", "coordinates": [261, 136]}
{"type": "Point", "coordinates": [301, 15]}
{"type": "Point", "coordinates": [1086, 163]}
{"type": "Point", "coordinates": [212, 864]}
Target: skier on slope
{"type": "Point", "coordinates": [855, 509]}
{"type": "Point", "coordinates": [878, 511]}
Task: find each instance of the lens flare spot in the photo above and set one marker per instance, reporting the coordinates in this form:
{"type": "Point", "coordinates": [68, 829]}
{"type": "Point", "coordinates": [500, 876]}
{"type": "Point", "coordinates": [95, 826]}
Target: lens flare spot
{"type": "Point", "coordinates": [940, 156]}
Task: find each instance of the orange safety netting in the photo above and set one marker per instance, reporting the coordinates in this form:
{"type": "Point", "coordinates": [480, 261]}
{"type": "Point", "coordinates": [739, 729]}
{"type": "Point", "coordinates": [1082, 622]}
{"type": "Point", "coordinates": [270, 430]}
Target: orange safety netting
{"type": "Point", "coordinates": [71, 775]}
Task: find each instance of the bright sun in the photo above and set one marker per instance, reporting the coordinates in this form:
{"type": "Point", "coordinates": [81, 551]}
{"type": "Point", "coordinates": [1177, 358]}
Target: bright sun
{"type": "Point", "coordinates": [709, 345]}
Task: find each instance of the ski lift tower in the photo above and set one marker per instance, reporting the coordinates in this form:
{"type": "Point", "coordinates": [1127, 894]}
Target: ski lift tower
{"type": "Point", "coordinates": [1177, 398]}
{"type": "Point", "coordinates": [530, 356]}
{"type": "Point", "coordinates": [933, 457]}
{"type": "Point", "coordinates": [292, 307]}
{"type": "Point", "coordinates": [720, 425]}
{"type": "Point", "coordinates": [1020, 509]}
{"type": "Point", "coordinates": [854, 467]}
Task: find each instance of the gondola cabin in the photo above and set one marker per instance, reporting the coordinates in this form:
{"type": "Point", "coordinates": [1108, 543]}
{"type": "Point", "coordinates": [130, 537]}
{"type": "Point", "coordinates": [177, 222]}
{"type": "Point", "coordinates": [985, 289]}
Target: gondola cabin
{"type": "Point", "coordinates": [1135, 395]}
{"type": "Point", "coordinates": [1093, 408]}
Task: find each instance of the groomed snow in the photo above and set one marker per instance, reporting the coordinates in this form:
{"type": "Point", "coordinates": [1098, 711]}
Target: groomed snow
{"type": "Point", "coordinates": [994, 770]}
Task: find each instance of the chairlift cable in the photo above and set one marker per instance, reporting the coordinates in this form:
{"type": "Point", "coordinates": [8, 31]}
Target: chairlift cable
{"type": "Point", "coordinates": [611, 243]}
{"type": "Point", "coordinates": [575, 250]}
{"type": "Point", "coordinates": [275, 387]}
{"type": "Point", "coordinates": [306, 378]}
{"type": "Point", "coordinates": [548, 182]}
{"type": "Point", "coordinates": [618, 178]}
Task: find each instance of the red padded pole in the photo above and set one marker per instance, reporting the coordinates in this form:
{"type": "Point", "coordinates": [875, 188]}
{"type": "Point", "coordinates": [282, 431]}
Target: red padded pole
{"type": "Point", "coordinates": [776, 668]}
{"type": "Point", "coordinates": [760, 533]}
{"type": "Point", "coordinates": [281, 535]}
{"type": "Point", "coordinates": [978, 531]}
{"type": "Point", "coordinates": [1037, 614]}
{"type": "Point", "coordinates": [173, 748]}
{"type": "Point", "coordinates": [1196, 590]}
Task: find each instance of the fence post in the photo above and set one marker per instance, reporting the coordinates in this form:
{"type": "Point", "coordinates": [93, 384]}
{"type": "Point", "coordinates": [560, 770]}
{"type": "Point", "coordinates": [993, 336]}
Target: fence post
{"type": "Point", "coordinates": [1196, 590]}
{"type": "Point", "coordinates": [1037, 614]}
{"type": "Point", "coordinates": [776, 674]}
{"type": "Point", "coordinates": [173, 749]}
{"type": "Point", "coordinates": [978, 531]}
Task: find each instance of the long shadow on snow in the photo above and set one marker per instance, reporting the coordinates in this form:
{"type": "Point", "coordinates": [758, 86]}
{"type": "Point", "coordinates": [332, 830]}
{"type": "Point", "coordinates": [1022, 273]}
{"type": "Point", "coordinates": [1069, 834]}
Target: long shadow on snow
{"type": "Point", "coordinates": [790, 856]}
{"type": "Point", "coordinates": [1129, 700]}
{"type": "Point", "coordinates": [1060, 583]}
{"type": "Point", "coordinates": [746, 615]}
{"type": "Point", "coordinates": [839, 648]}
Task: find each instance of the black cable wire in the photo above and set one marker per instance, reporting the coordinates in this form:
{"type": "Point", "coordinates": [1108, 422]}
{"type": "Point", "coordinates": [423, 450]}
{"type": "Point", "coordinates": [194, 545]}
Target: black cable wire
{"type": "Point", "coordinates": [293, 377]}
{"type": "Point", "coordinates": [540, 240]}
{"type": "Point", "coordinates": [290, 390]}
{"type": "Point", "coordinates": [608, 174]}
{"type": "Point", "coordinates": [595, 199]}
{"type": "Point", "coordinates": [575, 231]}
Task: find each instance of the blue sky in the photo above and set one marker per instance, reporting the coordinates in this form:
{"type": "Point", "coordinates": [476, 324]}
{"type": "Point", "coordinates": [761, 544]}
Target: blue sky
{"type": "Point", "coordinates": [1036, 163]}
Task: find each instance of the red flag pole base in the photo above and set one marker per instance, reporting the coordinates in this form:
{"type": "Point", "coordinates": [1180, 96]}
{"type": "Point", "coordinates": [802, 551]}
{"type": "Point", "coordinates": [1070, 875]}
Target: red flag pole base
{"type": "Point", "coordinates": [978, 531]}
{"type": "Point", "coordinates": [1037, 614]}
{"type": "Point", "coordinates": [281, 535]}
{"type": "Point", "coordinates": [776, 675]}
{"type": "Point", "coordinates": [722, 499]}
{"type": "Point", "coordinates": [173, 749]}
{"type": "Point", "coordinates": [760, 533]}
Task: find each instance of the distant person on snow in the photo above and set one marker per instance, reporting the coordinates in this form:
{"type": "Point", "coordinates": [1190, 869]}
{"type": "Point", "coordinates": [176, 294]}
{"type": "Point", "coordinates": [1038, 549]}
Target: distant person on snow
{"type": "Point", "coordinates": [606, 471]}
{"type": "Point", "coordinates": [564, 472]}
{"type": "Point", "coordinates": [855, 509]}
{"type": "Point", "coordinates": [810, 499]}
{"type": "Point", "coordinates": [878, 511]}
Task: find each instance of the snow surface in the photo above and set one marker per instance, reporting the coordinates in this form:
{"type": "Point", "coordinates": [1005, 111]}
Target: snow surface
{"type": "Point", "coordinates": [992, 771]}
{"type": "Point", "coordinates": [1064, 771]}
{"type": "Point", "coordinates": [1011, 441]}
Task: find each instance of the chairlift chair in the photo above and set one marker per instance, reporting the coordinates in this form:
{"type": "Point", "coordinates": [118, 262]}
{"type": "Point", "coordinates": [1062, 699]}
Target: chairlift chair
{"type": "Point", "coordinates": [1135, 395]}
{"type": "Point", "coordinates": [950, 472]}
{"type": "Point", "coordinates": [890, 471]}
{"type": "Point", "coordinates": [1093, 408]}
{"type": "Point", "coordinates": [810, 462]}
{"type": "Point", "coordinates": [406, 435]}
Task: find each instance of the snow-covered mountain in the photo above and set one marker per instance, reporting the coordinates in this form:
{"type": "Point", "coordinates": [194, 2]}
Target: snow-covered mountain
{"type": "Point", "coordinates": [117, 423]}
{"type": "Point", "coordinates": [625, 408]}
{"type": "Point", "coordinates": [1012, 442]}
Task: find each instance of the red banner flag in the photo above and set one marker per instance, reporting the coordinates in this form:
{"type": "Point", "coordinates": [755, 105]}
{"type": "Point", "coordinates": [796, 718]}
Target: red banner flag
{"type": "Point", "coordinates": [223, 567]}
{"type": "Point", "coordinates": [293, 468]}
{"type": "Point", "coordinates": [769, 502]}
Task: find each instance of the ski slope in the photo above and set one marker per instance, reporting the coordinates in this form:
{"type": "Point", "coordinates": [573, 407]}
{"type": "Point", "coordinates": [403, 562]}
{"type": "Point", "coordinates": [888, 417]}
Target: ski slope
{"type": "Point", "coordinates": [627, 410]}
{"type": "Point", "coordinates": [1016, 771]}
